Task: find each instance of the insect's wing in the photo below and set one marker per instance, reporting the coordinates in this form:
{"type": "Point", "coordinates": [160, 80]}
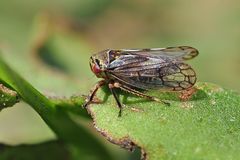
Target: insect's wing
{"type": "Point", "coordinates": [154, 68]}
{"type": "Point", "coordinates": [124, 58]}
{"type": "Point", "coordinates": [167, 76]}
{"type": "Point", "coordinates": [127, 59]}
{"type": "Point", "coordinates": [180, 53]}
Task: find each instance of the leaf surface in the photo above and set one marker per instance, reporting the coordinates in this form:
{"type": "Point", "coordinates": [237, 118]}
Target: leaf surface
{"type": "Point", "coordinates": [207, 126]}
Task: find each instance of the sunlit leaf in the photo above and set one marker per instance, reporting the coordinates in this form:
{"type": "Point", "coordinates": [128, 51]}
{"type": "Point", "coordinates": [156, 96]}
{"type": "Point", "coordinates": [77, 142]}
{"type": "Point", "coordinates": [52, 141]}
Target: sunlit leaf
{"type": "Point", "coordinates": [207, 126]}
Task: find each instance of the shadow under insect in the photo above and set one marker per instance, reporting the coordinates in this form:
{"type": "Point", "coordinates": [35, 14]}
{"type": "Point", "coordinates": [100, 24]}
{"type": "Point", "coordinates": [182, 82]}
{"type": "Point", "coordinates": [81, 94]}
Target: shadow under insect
{"type": "Point", "coordinates": [128, 98]}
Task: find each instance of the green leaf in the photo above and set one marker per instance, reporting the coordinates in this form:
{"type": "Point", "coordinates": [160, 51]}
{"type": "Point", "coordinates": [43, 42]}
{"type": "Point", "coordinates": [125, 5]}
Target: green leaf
{"type": "Point", "coordinates": [47, 151]}
{"type": "Point", "coordinates": [57, 118]}
{"type": "Point", "coordinates": [207, 126]}
{"type": "Point", "coordinates": [8, 97]}
{"type": "Point", "coordinates": [72, 104]}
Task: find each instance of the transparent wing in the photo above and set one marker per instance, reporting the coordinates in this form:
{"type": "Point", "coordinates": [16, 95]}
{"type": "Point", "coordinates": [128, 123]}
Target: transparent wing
{"type": "Point", "coordinates": [132, 57]}
{"type": "Point", "coordinates": [168, 76]}
{"type": "Point", "coordinates": [180, 52]}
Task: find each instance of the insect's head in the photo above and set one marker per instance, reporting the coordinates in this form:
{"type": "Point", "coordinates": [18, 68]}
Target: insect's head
{"type": "Point", "coordinates": [98, 63]}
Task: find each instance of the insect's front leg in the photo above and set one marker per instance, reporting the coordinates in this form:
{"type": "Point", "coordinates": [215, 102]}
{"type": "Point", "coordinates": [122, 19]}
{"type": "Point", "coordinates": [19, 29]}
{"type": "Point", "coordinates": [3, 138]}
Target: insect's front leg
{"type": "Point", "coordinates": [111, 86]}
{"type": "Point", "coordinates": [93, 92]}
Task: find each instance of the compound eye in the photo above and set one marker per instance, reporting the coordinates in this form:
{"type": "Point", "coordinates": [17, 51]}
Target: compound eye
{"type": "Point", "coordinates": [96, 69]}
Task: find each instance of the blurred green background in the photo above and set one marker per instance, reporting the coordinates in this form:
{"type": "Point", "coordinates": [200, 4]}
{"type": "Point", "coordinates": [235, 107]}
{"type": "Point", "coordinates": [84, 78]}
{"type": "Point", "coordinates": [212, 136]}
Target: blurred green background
{"type": "Point", "coordinates": [49, 43]}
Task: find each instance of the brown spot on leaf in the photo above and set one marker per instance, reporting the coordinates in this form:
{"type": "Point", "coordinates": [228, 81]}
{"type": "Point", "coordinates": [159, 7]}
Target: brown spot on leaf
{"type": "Point", "coordinates": [7, 91]}
{"type": "Point", "coordinates": [187, 94]}
{"type": "Point", "coordinates": [136, 109]}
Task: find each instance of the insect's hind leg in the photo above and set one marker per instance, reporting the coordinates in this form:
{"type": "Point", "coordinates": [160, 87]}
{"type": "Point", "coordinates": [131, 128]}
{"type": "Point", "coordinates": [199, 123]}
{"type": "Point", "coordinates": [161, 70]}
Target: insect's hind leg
{"type": "Point", "coordinates": [140, 94]}
{"type": "Point", "coordinates": [111, 87]}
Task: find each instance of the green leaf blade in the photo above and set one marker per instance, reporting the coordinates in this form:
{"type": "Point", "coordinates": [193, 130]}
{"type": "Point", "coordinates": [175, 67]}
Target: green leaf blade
{"type": "Point", "coordinates": [47, 151]}
{"type": "Point", "coordinates": [206, 126]}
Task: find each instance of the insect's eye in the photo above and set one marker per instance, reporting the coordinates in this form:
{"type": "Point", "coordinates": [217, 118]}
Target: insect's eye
{"type": "Point", "coordinates": [95, 68]}
{"type": "Point", "coordinates": [95, 65]}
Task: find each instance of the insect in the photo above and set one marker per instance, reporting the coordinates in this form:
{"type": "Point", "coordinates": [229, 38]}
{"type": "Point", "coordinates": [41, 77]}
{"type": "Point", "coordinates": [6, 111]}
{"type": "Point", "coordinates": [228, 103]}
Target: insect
{"type": "Point", "coordinates": [136, 71]}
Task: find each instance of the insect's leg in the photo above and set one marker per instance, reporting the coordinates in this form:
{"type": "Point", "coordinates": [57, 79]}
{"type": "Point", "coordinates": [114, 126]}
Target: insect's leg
{"type": "Point", "coordinates": [93, 92]}
{"type": "Point", "coordinates": [111, 87]}
{"type": "Point", "coordinates": [140, 94]}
